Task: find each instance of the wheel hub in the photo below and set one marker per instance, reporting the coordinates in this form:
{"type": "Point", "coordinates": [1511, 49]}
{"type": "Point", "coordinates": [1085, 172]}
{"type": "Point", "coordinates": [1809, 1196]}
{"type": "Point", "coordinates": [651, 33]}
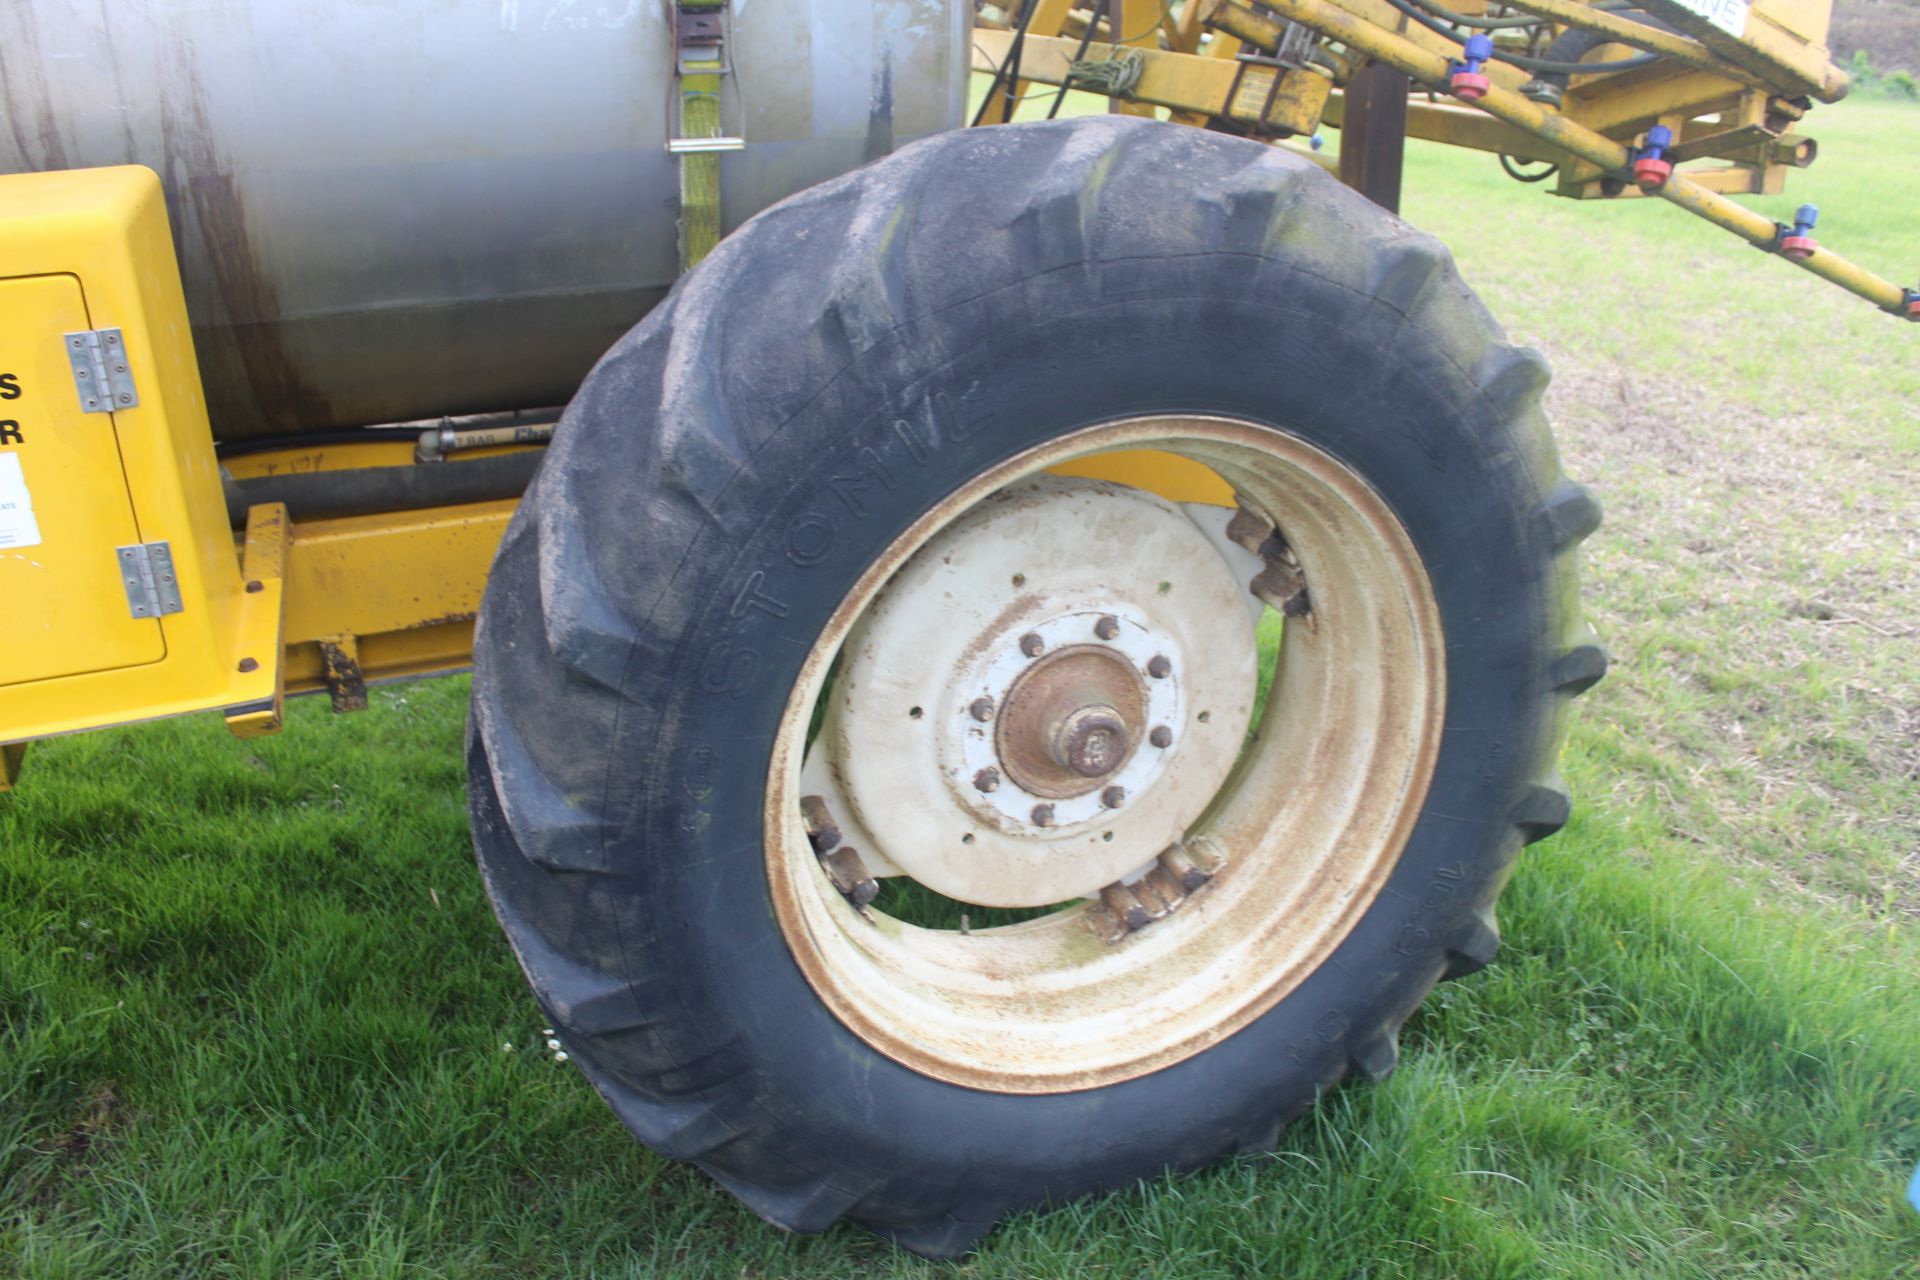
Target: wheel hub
{"type": "Point", "coordinates": [1070, 721]}
{"type": "Point", "coordinates": [1078, 699]}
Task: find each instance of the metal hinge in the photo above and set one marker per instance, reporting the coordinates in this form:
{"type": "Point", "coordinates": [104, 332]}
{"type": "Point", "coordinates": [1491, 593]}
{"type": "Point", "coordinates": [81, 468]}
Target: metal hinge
{"type": "Point", "coordinates": [152, 588]}
{"type": "Point", "coordinates": [100, 372]}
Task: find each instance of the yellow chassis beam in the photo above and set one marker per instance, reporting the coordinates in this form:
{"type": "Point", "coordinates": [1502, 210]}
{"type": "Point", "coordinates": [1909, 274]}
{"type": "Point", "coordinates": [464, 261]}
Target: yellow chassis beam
{"type": "Point", "coordinates": [392, 597]}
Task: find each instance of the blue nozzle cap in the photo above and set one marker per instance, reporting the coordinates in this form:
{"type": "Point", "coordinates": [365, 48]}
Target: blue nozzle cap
{"type": "Point", "coordinates": [1658, 137]}
{"type": "Point", "coordinates": [1805, 217]}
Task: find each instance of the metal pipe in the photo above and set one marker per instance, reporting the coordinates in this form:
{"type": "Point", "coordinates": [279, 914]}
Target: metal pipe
{"type": "Point", "coordinates": [1575, 139]}
{"type": "Point", "coordinates": [436, 444]}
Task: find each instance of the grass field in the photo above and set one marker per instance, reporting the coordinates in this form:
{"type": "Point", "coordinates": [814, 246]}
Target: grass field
{"type": "Point", "coordinates": [256, 1020]}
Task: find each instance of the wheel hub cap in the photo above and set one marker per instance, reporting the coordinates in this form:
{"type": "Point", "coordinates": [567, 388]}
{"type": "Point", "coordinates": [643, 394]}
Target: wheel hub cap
{"type": "Point", "coordinates": [1030, 775]}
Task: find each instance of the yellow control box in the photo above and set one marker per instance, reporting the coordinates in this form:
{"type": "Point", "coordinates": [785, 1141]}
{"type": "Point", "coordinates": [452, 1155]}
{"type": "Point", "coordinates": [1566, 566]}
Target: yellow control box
{"type": "Point", "coordinates": [124, 595]}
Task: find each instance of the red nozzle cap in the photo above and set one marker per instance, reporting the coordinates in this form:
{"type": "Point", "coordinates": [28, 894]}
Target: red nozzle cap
{"type": "Point", "coordinates": [1799, 248]}
{"type": "Point", "coordinates": [1470, 85]}
{"type": "Point", "coordinates": [1913, 308]}
{"type": "Point", "coordinates": [1650, 173]}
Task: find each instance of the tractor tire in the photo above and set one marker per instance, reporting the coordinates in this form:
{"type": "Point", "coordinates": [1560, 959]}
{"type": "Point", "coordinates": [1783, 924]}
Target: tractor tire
{"type": "Point", "coordinates": [845, 379]}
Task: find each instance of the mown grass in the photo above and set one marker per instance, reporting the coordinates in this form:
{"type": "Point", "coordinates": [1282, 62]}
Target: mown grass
{"type": "Point", "coordinates": [254, 1012]}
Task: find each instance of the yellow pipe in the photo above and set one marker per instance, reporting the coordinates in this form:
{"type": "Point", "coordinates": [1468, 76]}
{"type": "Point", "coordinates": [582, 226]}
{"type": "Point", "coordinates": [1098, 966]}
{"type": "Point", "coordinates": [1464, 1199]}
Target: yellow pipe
{"type": "Point", "coordinates": [1524, 113]}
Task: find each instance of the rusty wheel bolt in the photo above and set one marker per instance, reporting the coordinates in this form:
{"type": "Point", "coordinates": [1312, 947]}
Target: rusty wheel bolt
{"type": "Point", "coordinates": [1158, 667]}
{"type": "Point", "coordinates": [1032, 645]}
{"type": "Point", "coordinates": [1113, 797]}
{"type": "Point", "coordinates": [249, 664]}
{"type": "Point", "coordinates": [1043, 815]}
{"type": "Point", "coordinates": [1107, 628]}
{"type": "Point", "coordinates": [1161, 737]}
{"type": "Point", "coordinates": [987, 780]}
{"type": "Point", "coordinates": [982, 709]}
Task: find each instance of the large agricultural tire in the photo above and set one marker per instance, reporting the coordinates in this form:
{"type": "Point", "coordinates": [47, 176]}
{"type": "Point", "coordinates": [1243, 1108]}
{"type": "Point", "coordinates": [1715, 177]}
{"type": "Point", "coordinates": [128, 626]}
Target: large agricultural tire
{"type": "Point", "coordinates": [741, 478]}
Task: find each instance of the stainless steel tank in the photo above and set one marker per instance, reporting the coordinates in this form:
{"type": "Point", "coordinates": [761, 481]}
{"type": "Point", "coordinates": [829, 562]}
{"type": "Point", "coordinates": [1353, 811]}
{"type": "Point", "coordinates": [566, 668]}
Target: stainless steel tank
{"type": "Point", "coordinates": [391, 210]}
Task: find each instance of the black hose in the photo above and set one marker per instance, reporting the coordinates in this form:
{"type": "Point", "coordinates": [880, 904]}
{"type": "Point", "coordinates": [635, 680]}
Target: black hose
{"type": "Point", "coordinates": [360, 491]}
{"type": "Point", "coordinates": [1421, 14]}
{"type": "Point", "coordinates": [1514, 171]}
{"type": "Point", "coordinates": [312, 440]}
{"type": "Point", "coordinates": [1576, 43]}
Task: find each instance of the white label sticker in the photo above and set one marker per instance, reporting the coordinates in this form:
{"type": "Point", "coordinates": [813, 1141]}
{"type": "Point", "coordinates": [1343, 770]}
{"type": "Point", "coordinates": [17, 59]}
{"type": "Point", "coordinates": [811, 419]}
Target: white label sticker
{"type": "Point", "coordinates": [18, 528]}
{"type": "Point", "coordinates": [1728, 15]}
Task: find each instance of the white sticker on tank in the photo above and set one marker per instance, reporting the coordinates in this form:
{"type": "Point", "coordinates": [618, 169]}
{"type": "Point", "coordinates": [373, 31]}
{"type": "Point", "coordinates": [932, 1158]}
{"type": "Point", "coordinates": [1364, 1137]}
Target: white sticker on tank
{"type": "Point", "coordinates": [1728, 15]}
{"type": "Point", "coordinates": [18, 528]}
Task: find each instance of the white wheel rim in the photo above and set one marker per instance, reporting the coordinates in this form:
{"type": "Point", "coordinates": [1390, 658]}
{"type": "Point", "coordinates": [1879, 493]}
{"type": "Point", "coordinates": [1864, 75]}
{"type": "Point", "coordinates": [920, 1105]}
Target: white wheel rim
{"type": "Point", "coordinates": [1304, 829]}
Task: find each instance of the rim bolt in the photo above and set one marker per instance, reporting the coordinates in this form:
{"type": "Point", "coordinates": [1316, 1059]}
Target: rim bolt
{"type": "Point", "coordinates": [982, 709]}
{"type": "Point", "coordinates": [1043, 815]}
{"type": "Point", "coordinates": [1113, 797]}
{"type": "Point", "coordinates": [987, 780]}
{"type": "Point", "coordinates": [1032, 645]}
{"type": "Point", "coordinates": [1161, 737]}
{"type": "Point", "coordinates": [1158, 667]}
{"type": "Point", "coordinates": [1107, 628]}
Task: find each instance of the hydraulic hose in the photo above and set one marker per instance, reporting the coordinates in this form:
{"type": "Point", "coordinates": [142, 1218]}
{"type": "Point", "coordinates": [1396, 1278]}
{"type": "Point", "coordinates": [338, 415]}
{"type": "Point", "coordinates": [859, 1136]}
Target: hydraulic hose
{"type": "Point", "coordinates": [1574, 44]}
{"type": "Point", "coordinates": [359, 491]}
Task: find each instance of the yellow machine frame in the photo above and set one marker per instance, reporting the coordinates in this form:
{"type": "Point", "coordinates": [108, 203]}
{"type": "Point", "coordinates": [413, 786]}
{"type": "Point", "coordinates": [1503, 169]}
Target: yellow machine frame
{"type": "Point", "coordinates": [295, 606]}
{"type": "Point", "coordinates": [287, 606]}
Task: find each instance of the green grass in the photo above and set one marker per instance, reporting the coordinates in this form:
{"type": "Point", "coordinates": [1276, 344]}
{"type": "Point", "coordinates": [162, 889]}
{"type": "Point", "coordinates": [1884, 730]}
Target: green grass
{"type": "Point", "coordinates": [254, 1010]}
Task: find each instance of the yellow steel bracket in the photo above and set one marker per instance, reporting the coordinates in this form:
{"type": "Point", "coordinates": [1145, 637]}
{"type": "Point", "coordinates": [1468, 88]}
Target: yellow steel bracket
{"type": "Point", "coordinates": [259, 671]}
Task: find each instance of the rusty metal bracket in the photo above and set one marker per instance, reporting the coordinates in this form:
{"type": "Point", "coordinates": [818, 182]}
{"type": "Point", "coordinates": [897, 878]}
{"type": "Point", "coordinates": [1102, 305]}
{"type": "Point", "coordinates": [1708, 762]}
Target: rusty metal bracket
{"type": "Point", "coordinates": [346, 683]}
{"type": "Point", "coordinates": [699, 28]}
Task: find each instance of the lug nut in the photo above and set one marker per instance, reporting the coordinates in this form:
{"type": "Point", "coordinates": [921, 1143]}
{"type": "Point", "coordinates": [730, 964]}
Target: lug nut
{"type": "Point", "coordinates": [1113, 797]}
{"type": "Point", "coordinates": [1043, 815]}
{"type": "Point", "coordinates": [987, 780]}
{"type": "Point", "coordinates": [982, 709]}
{"type": "Point", "coordinates": [1032, 645]}
{"type": "Point", "coordinates": [1159, 667]}
{"type": "Point", "coordinates": [1107, 628]}
{"type": "Point", "coordinates": [249, 664]}
{"type": "Point", "coordinates": [1161, 737]}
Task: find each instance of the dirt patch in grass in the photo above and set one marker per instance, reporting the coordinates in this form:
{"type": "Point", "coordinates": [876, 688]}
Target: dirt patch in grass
{"type": "Point", "coordinates": [76, 1146]}
{"type": "Point", "coordinates": [1755, 582]}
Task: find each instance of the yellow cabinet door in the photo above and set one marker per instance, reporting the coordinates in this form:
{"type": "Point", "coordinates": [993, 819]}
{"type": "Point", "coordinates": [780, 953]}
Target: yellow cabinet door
{"type": "Point", "coordinates": [64, 506]}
